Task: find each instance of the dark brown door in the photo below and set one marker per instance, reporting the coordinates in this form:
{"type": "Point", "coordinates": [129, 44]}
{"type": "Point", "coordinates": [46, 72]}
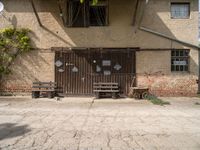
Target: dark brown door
{"type": "Point", "coordinates": [76, 71]}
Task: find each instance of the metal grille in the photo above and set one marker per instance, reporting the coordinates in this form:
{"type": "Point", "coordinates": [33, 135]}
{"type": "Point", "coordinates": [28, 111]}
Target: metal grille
{"type": "Point", "coordinates": [180, 60]}
{"type": "Point", "coordinates": [180, 10]}
{"type": "Point", "coordinates": [78, 71]}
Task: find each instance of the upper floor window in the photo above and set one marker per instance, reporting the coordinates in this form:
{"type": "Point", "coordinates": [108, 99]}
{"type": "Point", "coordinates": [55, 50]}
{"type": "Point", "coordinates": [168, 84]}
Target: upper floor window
{"type": "Point", "coordinates": [180, 60]}
{"type": "Point", "coordinates": [86, 14]}
{"type": "Point", "coordinates": [180, 10]}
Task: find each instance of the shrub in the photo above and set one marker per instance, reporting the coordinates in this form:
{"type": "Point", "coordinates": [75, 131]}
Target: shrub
{"type": "Point", "coordinates": [12, 43]}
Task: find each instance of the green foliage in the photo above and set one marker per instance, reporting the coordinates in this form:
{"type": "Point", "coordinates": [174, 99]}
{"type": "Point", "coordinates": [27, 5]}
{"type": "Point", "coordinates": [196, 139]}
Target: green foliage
{"type": "Point", "coordinates": [12, 43]}
{"type": "Point", "coordinates": [94, 2]}
{"type": "Point", "coordinates": [155, 100]}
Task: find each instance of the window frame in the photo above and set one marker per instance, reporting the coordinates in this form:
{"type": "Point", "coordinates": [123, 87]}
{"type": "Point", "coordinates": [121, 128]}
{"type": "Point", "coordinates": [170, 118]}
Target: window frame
{"type": "Point", "coordinates": [187, 58]}
{"type": "Point", "coordinates": [180, 3]}
{"type": "Point", "coordinates": [86, 7]}
{"type": "Point", "coordinates": [69, 22]}
{"type": "Point", "coordinates": [101, 4]}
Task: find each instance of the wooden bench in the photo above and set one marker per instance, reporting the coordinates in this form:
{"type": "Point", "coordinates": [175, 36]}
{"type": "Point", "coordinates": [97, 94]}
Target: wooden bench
{"type": "Point", "coordinates": [139, 92]}
{"type": "Point", "coordinates": [101, 89]}
{"type": "Point", "coordinates": [40, 87]}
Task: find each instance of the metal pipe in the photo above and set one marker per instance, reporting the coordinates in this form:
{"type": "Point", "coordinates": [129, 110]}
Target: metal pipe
{"type": "Point", "coordinates": [199, 74]}
{"type": "Point", "coordinates": [135, 12]}
{"type": "Point", "coordinates": [179, 41]}
{"type": "Point", "coordinates": [172, 39]}
{"type": "Point", "coordinates": [35, 12]}
{"type": "Point", "coordinates": [161, 34]}
{"type": "Point", "coordinates": [61, 12]}
{"type": "Point", "coordinates": [168, 37]}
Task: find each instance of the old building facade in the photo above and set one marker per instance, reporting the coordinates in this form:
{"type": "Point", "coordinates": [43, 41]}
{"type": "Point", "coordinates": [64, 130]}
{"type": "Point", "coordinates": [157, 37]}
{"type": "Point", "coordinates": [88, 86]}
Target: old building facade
{"type": "Point", "coordinates": [155, 40]}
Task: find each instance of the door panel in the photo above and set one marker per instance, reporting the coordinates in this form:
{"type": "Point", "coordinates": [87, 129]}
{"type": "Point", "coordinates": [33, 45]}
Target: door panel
{"type": "Point", "coordinates": [80, 70]}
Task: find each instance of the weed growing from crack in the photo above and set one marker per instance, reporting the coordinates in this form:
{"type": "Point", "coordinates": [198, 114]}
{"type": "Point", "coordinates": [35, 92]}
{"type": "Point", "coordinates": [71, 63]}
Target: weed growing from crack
{"type": "Point", "coordinates": [197, 103]}
{"type": "Point", "coordinates": [157, 101]}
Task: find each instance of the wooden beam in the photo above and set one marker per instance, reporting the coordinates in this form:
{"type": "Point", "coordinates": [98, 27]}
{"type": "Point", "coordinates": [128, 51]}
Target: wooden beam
{"type": "Point", "coordinates": [102, 49]}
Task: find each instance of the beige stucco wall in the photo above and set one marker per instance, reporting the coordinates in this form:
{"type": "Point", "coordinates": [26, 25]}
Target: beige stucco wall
{"type": "Point", "coordinates": [39, 65]}
{"type": "Point", "coordinates": [29, 67]}
{"type": "Point", "coordinates": [154, 71]}
{"type": "Point", "coordinates": [119, 33]}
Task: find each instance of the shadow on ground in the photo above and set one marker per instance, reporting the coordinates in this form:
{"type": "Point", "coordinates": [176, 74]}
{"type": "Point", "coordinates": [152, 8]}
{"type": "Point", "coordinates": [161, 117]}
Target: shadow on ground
{"type": "Point", "coordinates": [10, 130]}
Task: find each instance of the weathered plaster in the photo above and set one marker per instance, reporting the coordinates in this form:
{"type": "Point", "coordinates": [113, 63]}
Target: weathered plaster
{"type": "Point", "coordinates": [39, 65]}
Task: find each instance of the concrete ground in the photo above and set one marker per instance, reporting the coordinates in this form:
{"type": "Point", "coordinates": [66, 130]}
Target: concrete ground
{"type": "Point", "coordinates": [87, 124]}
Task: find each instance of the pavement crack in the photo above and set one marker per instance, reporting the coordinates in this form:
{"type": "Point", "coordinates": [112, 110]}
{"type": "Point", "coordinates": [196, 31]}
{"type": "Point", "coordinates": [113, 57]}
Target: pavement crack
{"type": "Point", "coordinates": [33, 143]}
{"type": "Point", "coordinates": [108, 142]}
{"type": "Point", "coordinates": [84, 123]}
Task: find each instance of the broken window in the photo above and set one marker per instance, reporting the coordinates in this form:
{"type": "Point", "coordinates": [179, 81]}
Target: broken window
{"type": "Point", "coordinates": [180, 10]}
{"type": "Point", "coordinates": [86, 14]}
{"type": "Point", "coordinates": [180, 60]}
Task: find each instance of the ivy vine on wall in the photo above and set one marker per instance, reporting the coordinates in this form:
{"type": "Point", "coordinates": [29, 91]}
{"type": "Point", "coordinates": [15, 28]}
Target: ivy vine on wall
{"type": "Point", "coordinates": [13, 42]}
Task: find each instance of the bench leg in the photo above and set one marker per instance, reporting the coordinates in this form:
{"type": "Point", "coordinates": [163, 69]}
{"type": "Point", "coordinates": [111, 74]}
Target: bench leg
{"type": "Point", "coordinates": [114, 95]}
{"type": "Point", "coordinates": [51, 95]}
{"type": "Point", "coordinates": [97, 95]}
{"type": "Point", "coordinates": [35, 94]}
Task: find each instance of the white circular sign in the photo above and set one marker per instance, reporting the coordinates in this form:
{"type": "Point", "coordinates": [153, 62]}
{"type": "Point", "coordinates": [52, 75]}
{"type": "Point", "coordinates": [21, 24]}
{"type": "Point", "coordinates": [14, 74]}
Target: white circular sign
{"type": "Point", "coordinates": [58, 63]}
{"type": "Point", "coordinates": [1, 6]}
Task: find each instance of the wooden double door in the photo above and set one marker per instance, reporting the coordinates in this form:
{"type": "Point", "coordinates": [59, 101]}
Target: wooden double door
{"type": "Point", "coordinates": [76, 71]}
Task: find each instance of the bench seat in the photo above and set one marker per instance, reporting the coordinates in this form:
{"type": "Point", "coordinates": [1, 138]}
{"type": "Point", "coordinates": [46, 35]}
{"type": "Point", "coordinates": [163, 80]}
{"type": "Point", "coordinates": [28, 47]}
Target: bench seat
{"type": "Point", "coordinates": [47, 87]}
{"type": "Point", "coordinates": [101, 88]}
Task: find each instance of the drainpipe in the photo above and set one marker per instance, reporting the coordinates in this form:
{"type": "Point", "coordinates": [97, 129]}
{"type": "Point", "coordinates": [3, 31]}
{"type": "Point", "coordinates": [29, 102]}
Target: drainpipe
{"type": "Point", "coordinates": [61, 12]}
{"type": "Point", "coordinates": [135, 12]}
{"type": "Point", "coordinates": [142, 28]}
{"type": "Point", "coordinates": [170, 38]}
{"type": "Point", "coordinates": [198, 81]}
{"type": "Point", "coordinates": [35, 12]}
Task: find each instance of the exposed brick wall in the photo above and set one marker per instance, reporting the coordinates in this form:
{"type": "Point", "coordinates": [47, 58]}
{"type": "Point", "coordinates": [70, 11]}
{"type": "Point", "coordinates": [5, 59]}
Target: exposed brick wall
{"type": "Point", "coordinates": [153, 68]}
{"type": "Point", "coordinates": [27, 68]}
{"type": "Point", "coordinates": [15, 89]}
{"type": "Point", "coordinates": [169, 85]}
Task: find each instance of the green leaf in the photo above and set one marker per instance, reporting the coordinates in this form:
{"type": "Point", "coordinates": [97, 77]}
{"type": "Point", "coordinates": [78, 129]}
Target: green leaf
{"type": "Point", "coordinates": [94, 2]}
{"type": "Point", "coordinates": [12, 43]}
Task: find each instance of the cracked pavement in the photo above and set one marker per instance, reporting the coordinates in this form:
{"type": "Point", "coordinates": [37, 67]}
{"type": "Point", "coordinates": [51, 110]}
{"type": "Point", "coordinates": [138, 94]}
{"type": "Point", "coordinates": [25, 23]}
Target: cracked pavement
{"type": "Point", "coordinates": [106, 124]}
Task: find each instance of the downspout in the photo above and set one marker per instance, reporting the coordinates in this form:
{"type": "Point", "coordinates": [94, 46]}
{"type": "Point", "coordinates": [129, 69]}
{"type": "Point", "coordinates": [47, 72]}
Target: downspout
{"type": "Point", "coordinates": [199, 74]}
{"type": "Point", "coordinates": [35, 12]}
{"type": "Point", "coordinates": [37, 16]}
{"type": "Point", "coordinates": [169, 38]}
{"type": "Point", "coordinates": [61, 12]}
{"type": "Point", "coordinates": [142, 28]}
{"type": "Point", "coordinates": [135, 12]}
